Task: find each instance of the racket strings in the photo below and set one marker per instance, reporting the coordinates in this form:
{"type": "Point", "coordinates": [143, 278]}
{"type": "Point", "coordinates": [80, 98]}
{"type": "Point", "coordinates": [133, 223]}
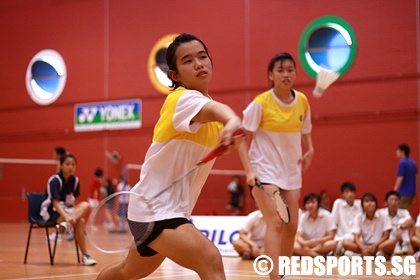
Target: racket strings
{"type": "Point", "coordinates": [282, 208]}
{"type": "Point", "coordinates": [141, 231]}
{"type": "Point", "coordinates": [107, 228]}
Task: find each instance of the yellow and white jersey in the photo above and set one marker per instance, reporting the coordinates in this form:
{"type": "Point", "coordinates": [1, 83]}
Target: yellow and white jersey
{"type": "Point", "coordinates": [178, 144]}
{"type": "Point", "coordinates": [276, 146]}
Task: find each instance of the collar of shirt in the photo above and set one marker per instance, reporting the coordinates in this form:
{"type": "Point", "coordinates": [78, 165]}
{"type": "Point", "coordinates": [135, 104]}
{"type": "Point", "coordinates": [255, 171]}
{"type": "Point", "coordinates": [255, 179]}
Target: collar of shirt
{"type": "Point", "coordinates": [375, 216]}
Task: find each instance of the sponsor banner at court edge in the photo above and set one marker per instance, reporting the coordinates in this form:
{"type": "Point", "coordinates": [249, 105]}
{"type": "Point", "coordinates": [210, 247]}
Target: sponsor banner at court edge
{"type": "Point", "coordinates": [221, 230]}
{"type": "Point", "coordinates": [343, 266]}
{"type": "Point", "coordinates": [111, 115]}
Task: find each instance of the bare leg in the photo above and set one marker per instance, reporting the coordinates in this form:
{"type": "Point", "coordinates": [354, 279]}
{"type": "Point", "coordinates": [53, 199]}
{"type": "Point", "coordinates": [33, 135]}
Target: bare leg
{"type": "Point", "coordinates": [351, 246]}
{"type": "Point", "coordinates": [303, 250]}
{"type": "Point", "coordinates": [188, 247]}
{"type": "Point", "coordinates": [243, 248]}
{"type": "Point", "coordinates": [288, 232]}
{"type": "Point", "coordinates": [279, 237]}
{"type": "Point", "coordinates": [80, 235]}
{"type": "Point", "coordinates": [185, 245]}
{"type": "Point", "coordinates": [388, 246]}
{"type": "Point", "coordinates": [132, 267]}
{"type": "Point", "coordinates": [325, 247]}
{"type": "Point", "coordinates": [79, 212]}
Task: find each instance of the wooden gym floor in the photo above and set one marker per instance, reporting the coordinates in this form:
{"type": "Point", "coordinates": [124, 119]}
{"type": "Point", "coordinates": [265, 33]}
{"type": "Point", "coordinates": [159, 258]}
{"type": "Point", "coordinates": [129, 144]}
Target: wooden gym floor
{"type": "Point", "coordinates": [13, 238]}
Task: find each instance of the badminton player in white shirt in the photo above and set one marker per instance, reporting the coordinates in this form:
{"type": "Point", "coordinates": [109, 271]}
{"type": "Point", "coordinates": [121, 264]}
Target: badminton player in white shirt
{"type": "Point", "coordinates": [280, 120]}
{"type": "Point", "coordinates": [190, 125]}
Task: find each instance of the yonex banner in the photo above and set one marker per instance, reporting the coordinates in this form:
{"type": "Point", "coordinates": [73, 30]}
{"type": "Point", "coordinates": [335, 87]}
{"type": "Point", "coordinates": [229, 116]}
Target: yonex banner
{"type": "Point", "coordinates": [112, 115]}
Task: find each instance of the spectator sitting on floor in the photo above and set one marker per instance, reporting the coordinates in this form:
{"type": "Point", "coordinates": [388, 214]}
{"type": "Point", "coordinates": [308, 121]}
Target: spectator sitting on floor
{"type": "Point", "coordinates": [250, 243]}
{"type": "Point", "coordinates": [316, 229]}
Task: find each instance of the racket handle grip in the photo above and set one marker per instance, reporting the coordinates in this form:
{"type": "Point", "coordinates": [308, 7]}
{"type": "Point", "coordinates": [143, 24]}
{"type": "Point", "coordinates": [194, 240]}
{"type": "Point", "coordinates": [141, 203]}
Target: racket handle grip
{"type": "Point", "coordinates": [220, 149]}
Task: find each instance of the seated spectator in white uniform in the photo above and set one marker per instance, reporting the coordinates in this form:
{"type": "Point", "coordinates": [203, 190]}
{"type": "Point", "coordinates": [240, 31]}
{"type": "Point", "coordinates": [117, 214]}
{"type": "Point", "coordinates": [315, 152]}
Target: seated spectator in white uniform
{"type": "Point", "coordinates": [371, 232]}
{"type": "Point", "coordinates": [250, 243]}
{"type": "Point", "coordinates": [401, 222]}
{"type": "Point", "coordinates": [316, 229]}
{"type": "Point", "coordinates": [415, 239]}
{"type": "Point", "coordinates": [343, 211]}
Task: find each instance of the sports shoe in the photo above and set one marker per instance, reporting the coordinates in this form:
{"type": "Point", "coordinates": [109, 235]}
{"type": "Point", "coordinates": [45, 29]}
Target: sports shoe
{"type": "Point", "coordinates": [52, 237]}
{"type": "Point", "coordinates": [62, 227]}
{"type": "Point", "coordinates": [417, 256]}
{"type": "Point", "coordinates": [87, 260]}
{"type": "Point", "coordinates": [349, 253]}
{"type": "Point", "coordinates": [381, 253]}
{"type": "Point", "coordinates": [401, 249]}
{"type": "Point", "coordinates": [340, 252]}
{"type": "Point", "coordinates": [246, 256]}
{"type": "Point", "coordinates": [70, 234]}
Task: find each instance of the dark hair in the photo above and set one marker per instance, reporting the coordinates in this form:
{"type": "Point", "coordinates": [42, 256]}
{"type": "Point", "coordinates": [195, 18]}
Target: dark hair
{"type": "Point", "coordinates": [369, 196]}
{"type": "Point", "coordinates": [60, 151]}
{"type": "Point", "coordinates": [171, 54]}
{"type": "Point", "coordinates": [311, 196]}
{"type": "Point", "coordinates": [405, 148]}
{"type": "Point", "coordinates": [99, 172]}
{"type": "Point", "coordinates": [280, 57]}
{"type": "Point", "coordinates": [348, 186]}
{"type": "Point", "coordinates": [66, 156]}
{"type": "Point", "coordinates": [388, 194]}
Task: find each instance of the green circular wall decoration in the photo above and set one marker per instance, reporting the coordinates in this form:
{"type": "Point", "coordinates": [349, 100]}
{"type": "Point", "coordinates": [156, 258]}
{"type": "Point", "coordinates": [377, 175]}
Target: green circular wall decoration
{"type": "Point", "coordinates": [329, 41]}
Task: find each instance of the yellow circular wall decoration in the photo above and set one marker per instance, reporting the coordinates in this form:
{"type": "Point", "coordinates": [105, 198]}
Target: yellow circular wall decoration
{"type": "Point", "coordinates": [157, 67]}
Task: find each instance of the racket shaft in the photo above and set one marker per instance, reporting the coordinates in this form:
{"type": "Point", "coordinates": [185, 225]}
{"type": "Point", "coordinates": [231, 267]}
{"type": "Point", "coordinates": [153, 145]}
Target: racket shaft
{"type": "Point", "coordinates": [218, 151]}
{"type": "Point", "coordinates": [177, 180]}
{"type": "Point", "coordinates": [258, 183]}
{"type": "Point", "coordinates": [280, 203]}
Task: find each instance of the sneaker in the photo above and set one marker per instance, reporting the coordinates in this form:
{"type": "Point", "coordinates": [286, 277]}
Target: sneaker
{"type": "Point", "coordinates": [62, 227]}
{"type": "Point", "coordinates": [330, 253]}
{"type": "Point", "coordinates": [417, 256]}
{"type": "Point", "coordinates": [52, 237]}
{"type": "Point", "coordinates": [246, 256]}
{"type": "Point", "coordinates": [349, 253]}
{"type": "Point", "coordinates": [340, 252]}
{"type": "Point", "coordinates": [404, 248]}
{"type": "Point", "coordinates": [87, 260]}
{"type": "Point", "coordinates": [381, 253]}
{"type": "Point", "coordinates": [70, 234]}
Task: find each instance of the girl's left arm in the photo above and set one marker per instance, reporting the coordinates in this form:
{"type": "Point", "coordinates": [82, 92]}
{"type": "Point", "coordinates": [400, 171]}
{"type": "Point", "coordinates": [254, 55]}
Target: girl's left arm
{"type": "Point", "coordinates": [215, 111]}
{"type": "Point", "coordinates": [309, 154]}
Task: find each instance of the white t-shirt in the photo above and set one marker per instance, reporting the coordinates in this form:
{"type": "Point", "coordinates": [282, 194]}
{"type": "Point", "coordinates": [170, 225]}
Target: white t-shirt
{"type": "Point", "coordinates": [311, 228]}
{"type": "Point", "coordinates": [256, 227]}
{"type": "Point", "coordinates": [276, 146]}
{"type": "Point", "coordinates": [371, 230]}
{"type": "Point", "coordinates": [178, 145]}
{"type": "Point", "coordinates": [343, 217]}
{"type": "Point", "coordinates": [401, 217]}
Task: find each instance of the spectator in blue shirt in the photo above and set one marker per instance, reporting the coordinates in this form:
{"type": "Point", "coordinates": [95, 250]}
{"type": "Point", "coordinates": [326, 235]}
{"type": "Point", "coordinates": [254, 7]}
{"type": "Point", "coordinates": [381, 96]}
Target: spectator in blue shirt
{"type": "Point", "coordinates": [406, 183]}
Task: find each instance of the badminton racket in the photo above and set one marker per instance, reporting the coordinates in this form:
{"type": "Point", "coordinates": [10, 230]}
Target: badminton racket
{"type": "Point", "coordinates": [108, 227]}
{"type": "Point", "coordinates": [324, 79]}
{"type": "Point", "coordinates": [216, 152]}
{"type": "Point", "coordinates": [281, 204]}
